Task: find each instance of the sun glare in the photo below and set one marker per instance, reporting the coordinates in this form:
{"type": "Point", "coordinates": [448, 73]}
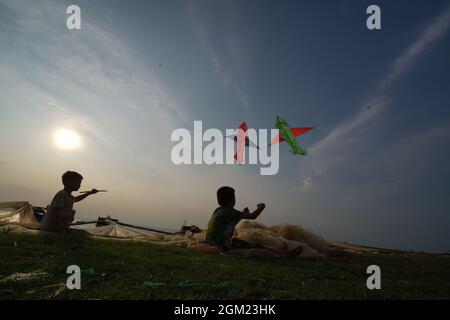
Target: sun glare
{"type": "Point", "coordinates": [67, 139]}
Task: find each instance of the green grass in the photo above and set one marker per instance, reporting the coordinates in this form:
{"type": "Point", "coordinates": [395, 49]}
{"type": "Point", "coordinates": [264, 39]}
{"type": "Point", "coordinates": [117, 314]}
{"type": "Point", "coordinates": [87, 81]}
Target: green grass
{"type": "Point", "coordinates": [122, 267]}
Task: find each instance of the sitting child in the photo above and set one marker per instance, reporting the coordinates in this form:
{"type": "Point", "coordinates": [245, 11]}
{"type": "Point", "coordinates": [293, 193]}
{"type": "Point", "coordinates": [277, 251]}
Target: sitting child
{"type": "Point", "coordinates": [60, 213]}
{"type": "Point", "coordinates": [224, 220]}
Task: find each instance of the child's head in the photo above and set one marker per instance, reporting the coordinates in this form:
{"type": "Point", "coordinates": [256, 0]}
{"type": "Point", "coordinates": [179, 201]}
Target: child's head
{"type": "Point", "coordinates": [225, 197]}
{"type": "Point", "coordinates": [72, 180]}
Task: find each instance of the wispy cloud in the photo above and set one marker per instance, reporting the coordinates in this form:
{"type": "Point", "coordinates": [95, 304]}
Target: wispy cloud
{"type": "Point", "coordinates": [340, 144]}
{"type": "Point", "coordinates": [428, 36]}
{"type": "Point", "coordinates": [222, 59]}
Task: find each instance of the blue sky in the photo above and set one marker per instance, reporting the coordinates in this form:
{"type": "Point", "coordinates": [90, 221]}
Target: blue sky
{"type": "Point", "coordinates": [137, 70]}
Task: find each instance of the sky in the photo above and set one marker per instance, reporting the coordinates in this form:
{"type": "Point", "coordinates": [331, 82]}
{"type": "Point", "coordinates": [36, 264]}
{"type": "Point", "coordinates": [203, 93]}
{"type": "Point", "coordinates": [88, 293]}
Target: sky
{"type": "Point", "coordinates": [138, 70]}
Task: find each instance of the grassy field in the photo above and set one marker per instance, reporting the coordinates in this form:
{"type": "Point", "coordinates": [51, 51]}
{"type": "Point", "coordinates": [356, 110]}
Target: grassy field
{"type": "Point", "coordinates": [131, 270]}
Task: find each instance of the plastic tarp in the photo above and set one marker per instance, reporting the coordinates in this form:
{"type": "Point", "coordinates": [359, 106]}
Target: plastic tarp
{"type": "Point", "coordinates": [18, 213]}
{"type": "Point", "coordinates": [112, 230]}
{"type": "Point", "coordinates": [123, 232]}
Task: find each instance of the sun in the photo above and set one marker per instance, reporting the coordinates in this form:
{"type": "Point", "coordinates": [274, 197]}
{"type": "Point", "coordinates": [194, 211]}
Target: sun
{"type": "Point", "coordinates": [67, 139]}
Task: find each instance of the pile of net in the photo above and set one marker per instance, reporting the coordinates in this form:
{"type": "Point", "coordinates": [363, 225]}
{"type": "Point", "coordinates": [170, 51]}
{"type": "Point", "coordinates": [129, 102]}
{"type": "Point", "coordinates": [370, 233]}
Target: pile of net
{"type": "Point", "coordinates": [284, 238]}
{"type": "Point", "coordinates": [289, 239]}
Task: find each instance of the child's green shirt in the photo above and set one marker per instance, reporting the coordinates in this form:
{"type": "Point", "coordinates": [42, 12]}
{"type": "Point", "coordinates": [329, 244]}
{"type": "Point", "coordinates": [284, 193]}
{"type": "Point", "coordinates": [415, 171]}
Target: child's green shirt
{"type": "Point", "coordinates": [221, 226]}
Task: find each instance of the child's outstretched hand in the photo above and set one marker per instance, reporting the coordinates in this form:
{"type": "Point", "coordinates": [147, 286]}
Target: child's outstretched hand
{"type": "Point", "coordinates": [93, 191]}
{"type": "Point", "coordinates": [261, 206]}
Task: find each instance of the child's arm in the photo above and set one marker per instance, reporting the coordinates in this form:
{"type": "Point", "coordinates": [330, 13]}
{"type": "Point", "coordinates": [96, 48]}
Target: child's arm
{"type": "Point", "coordinates": [247, 215]}
{"type": "Point", "coordinates": [84, 196]}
